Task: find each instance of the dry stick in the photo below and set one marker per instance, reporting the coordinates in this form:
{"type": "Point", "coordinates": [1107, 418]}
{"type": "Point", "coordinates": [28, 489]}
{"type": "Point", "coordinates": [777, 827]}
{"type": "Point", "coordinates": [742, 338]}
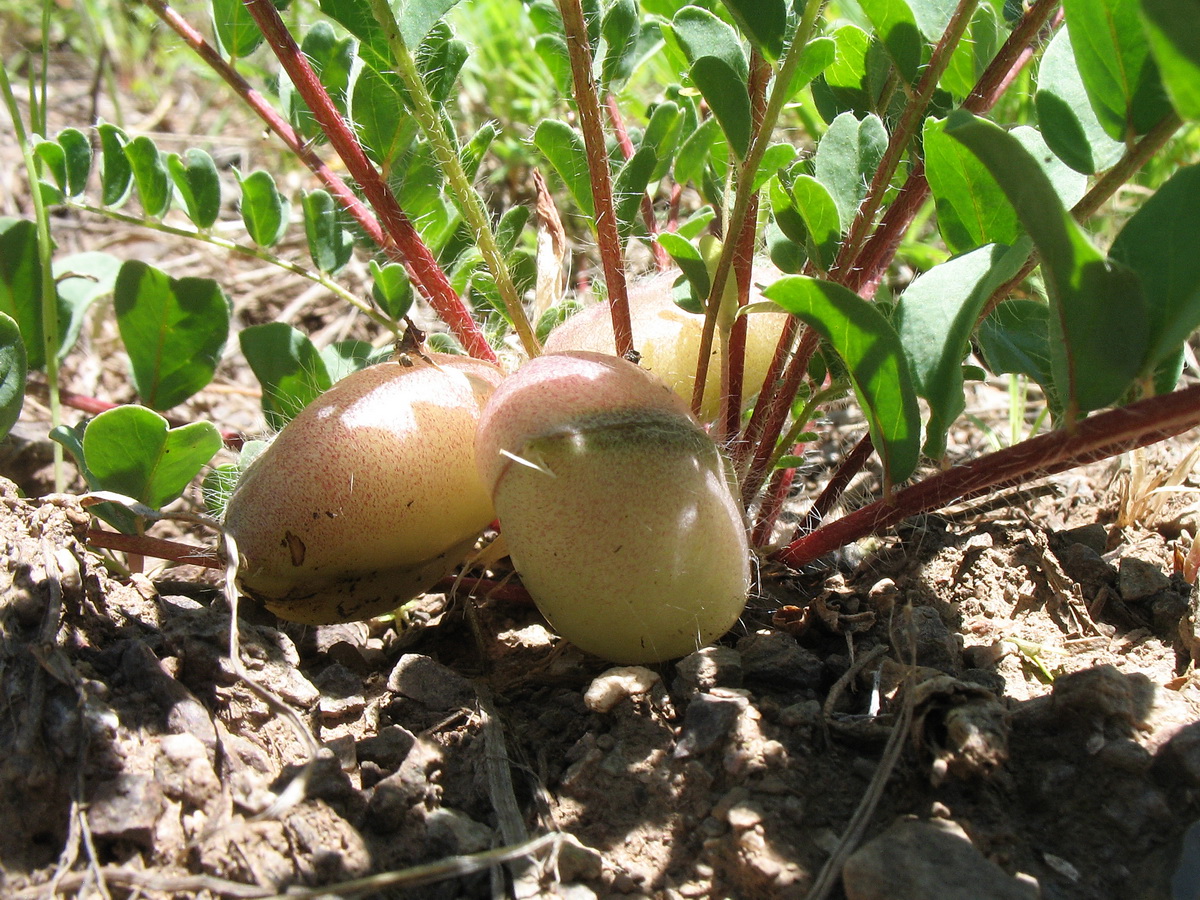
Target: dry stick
{"type": "Point", "coordinates": [1099, 437]}
{"type": "Point", "coordinates": [612, 256]}
{"type": "Point", "coordinates": [402, 242]}
{"type": "Point", "coordinates": [901, 136]}
{"type": "Point", "coordinates": [662, 258]}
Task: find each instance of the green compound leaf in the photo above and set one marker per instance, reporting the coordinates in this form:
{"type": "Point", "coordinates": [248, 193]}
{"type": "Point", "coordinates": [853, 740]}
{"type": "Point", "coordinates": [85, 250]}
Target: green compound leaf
{"type": "Point", "coordinates": [195, 177]}
{"type": "Point", "coordinates": [391, 290]}
{"type": "Point", "coordinates": [764, 22]}
{"type": "Point", "coordinates": [52, 162]}
{"type": "Point", "coordinates": [173, 329]}
{"type": "Point", "coordinates": [116, 175]}
{"type": "Point", "coordinates": [14, 368]}
{"type": "Point", "coordinates": [289, 368]}
{"type": "Point", "coordinates": [329, 244]}
{"type": "Point", "coordinates": [382, 120]}
{"type": "Point", "coordinates": [874, 359]}
{"type": "Point", "coordinates": [264, 209]}
{"type": "Point", "coordinates": [822, 221]}
{"type": "Point", "coordinates": [131, 450]}
{"type": "Point", "coordinates": [237, 33]}
{"type": "Point", "coordinates": [1173, 29]}
{"type": "Point", "coordinates": [819, 54]}
{"type": "Point", "coordinates": [935, 318]}
{"type": "Point", "coordinates": [150, 175]}
{"type": "Point", "coordinates": [563, 148]}
{"type": "Point", "coordinates": [1099, 335]}
{"type": "Point", "coordinates": [727, 98]}
{"type": "Point", "coordinates": [973, 53]}
{"type": "Point", "coordinates": [1161, 243]}
{"type": "Point", "coordinates": [1116, 65]}
{"type": "Point", "coordinates": [1065, 115]}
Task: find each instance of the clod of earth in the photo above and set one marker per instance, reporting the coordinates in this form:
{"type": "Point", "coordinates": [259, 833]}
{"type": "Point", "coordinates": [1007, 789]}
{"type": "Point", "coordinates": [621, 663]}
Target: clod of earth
{"type": "Point", "coordinates": [370, 495]}
{"type": "Point", "coordinates": [618, 508]}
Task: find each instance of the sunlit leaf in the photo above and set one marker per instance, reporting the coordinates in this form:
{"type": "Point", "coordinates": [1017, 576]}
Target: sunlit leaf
{"type": "Point", "coordinates": [174, 330]}
{"type": "Point", "coordinates": [764, 22]}
{"type": "Point", "coordinates": [1065, 116]}
{"type": "Point", "coordinates": [150, 175]}
{"type": "Point", "coordinates": [116, 175]}
{"type": "Point", "coordinates": [13, 370]}
{"type": "Point", "coordinates": [874, 359]}
{"type": "Point", "coordinates": [563, 148]}
{"type": "Point", "coordinates": [288, 367]}
{"type": "Point", "coordinates": [727, 98]}
{"type": "Point", "coordinates": [391, 290]}
{"type": "Point", "coordinates": [329, 243]}
{"type": "Point", "coordinates": [264, 209]}
{"type": "Point", "coordinates": [237, 33]}
{"type": "Point", "coordinates": [846, 159]}
{"type": "Point", "coordinates": [1173, 29]}
{"type": "Point", "coordinates": [195, 177]}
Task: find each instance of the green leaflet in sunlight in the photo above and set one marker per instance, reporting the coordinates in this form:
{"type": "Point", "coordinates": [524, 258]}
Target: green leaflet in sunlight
{"type": "Point", "coordinates": [846, 159]}
{"type": "Point", "coordinates": [264, 209]}
{"type": "Point", "coordinates": [1065, 116]}
{"type": "Point", "coordinates": [764, 22]}
{"type": "Point", "coordinates": [150, 176]}
{"type": "Point", "coordinates": [13, 370]}
{"type": "Point", "coordinates": [391, 289]}
{"type": "Point", "coordinates": [562, 146]}
{"type": "Point", "coordinates": [174, 330]}
{"type": "Point", "coordinates": [1115, 63]}
{"type": "Point", "coordinates": [82, 279]}
{"type": "Point", "coordinates": [629, 187]}
{"type": "Point", "coordinates": [727, 98]}
{"type": "Point", "coordinates": [345, 357]}
{"type": "Point", "coordinates": [195, 177]}
{"type": "Point", "coordinates": [1099, 331]}
{"type": "Point", "coordinates": [935, 318]}
{"type": "Point", "coordinates": [288, 366]}
{"type": "Point", "coordinates": [896, 25]}
{"type": "Point", "coordinates": [116, 175]}
{"type": "Point", "coordinates": [973, 53]}
{"type": "Point", "coordinates": [237, 33]}
{"type": "Point", "coordinates": [620, 28]}
{"type": "Point", "coordinates": [1161, 243]}
{"type": "Point", "coordinates": [21, 284]}
{"type": "Point", "coordinates": [875, 361]}
{"type": "Point", "coordinates": [132, 450]}
{"type": "Point", "coordinates": [1173, 29]}
{"type": "Point", "coordinates": [330, 244]}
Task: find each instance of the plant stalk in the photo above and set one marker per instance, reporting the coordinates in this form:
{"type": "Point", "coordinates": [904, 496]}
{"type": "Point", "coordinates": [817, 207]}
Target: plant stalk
{"type": "Point", "coordinates": [662, 259]}
{"type": "Point", "coordinates": [402, 242]}
{"type": "Point", "coordinates": [902, 135]}
{"type": "Point", "coordinates": [1098, 437]}
{"type": "Point", "coordinates": [49, 290]}
{"type": "Point", "coordinates": [459, 185]}
{"type": "Point", "coordinates": [612, 255]}
{"type": "Point", "coordinates": [745, 188]}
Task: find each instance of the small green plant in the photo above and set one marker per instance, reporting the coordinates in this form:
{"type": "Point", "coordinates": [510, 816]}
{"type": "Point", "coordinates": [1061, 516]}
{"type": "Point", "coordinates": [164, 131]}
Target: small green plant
{"type": "Point", "coordinates": [973, 143]}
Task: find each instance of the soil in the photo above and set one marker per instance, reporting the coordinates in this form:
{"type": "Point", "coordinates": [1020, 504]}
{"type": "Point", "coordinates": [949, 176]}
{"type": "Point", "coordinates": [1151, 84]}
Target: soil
{"type": "Point", "coordinates": [996, 701]}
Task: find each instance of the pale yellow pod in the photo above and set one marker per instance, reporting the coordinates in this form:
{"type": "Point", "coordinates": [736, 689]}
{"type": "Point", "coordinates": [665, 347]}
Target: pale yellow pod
{"type": "Point", "coordinates": [621, 521]}
{"type": "Point", "coordinates": [376, 475]}
{"type": "Point", "coordinates": [668, 338]}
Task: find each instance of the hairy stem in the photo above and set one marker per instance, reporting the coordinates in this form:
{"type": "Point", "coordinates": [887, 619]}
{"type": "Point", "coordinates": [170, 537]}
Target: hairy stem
{"type": "Point", "coordinates": [400, 240]}
{"type": "Point", "coordinates": [1095, 438]}
{"type": "Point", "coordinates": [902, 135]}
{"type": "Point", "coordinates": [779, 95]}
{"type": "Point", "coordinates": [612, 255]}
{"type": "Point", "coordinates": [458, 184]}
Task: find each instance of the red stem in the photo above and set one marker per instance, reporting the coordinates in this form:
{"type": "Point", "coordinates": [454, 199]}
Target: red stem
{"type": "Point", "coordinates": [612, 257]}
{"type": "Point", "coordinates": [777, 491]}
{"type": "Point", "coordinates": [662, 258]}
{"type": "Point", "coordinates": [837, 485]}
{"type": "Point", "coordinates": [767, 396]}
{"type": "Point", "coordinates": [147, 546]}
{"type": "Point", "coordinates": [1101, 436]}
{"type": "Point", "coordinates": [402, 242]}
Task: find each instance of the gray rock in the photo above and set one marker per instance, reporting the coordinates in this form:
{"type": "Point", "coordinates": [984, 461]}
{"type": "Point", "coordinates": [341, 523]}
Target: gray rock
{"type": "Point", "coordinates": [916, 860]}
{"type": "Point", "coordinates": [708, 719]}
{"type": "Point", "coordinates": [934, 644]}
{"type": "Point", "coordinates": [1139, 579]}
{"type": "Point", "coordinates": [1094, 537]}
{"type": "Point", "coordinates": [388, 748]}
{"type": "Point", "coordinates": [454, 833]}
{"type": "Point", "coordinates": [1178, 760]}
{"type": "Point", "coordinates": [182, 770]}
{"type": "Point", "coordinates": [427, 681]}
{"type": "Point", "coordinates": [777, 659]}
{"type": "Point", "coordinates": [126, 807]}
{"type": "Point", "coordinates": [707, 669]}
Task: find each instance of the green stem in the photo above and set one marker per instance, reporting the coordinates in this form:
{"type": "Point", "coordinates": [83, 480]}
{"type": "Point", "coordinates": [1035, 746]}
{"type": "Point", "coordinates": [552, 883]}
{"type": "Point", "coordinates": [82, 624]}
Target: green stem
{"type": "Point", "coordinates": [207, 237]}
{"type": "Point", "coordinates": [459, 185]}
{"type": "Point", "coordinates": [779, 95]}
{"type": "Point", "coordinates": [49, 311]}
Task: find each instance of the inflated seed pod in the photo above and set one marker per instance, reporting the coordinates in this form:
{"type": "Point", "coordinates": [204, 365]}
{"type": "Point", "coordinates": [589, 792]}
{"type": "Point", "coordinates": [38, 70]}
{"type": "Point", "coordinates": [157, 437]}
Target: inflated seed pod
{"type": "Point", "coordinates": [370, 495]}
{"type": "Point", "coordinates": [668, 339]}
{"type": "Point", "coordinates": [617, 508]}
